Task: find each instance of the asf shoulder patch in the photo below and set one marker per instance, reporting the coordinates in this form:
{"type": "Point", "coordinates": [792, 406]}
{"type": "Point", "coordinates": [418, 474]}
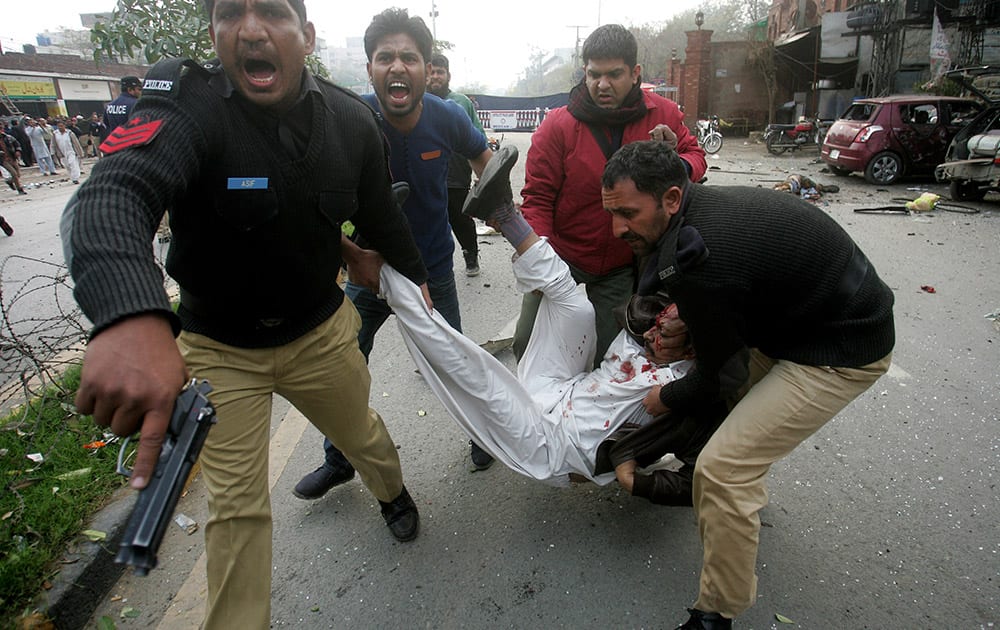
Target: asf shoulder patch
{"type": "Point", "coordinates": [135, 133]}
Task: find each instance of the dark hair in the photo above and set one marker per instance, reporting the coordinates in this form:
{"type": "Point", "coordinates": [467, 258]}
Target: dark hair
{"type": "Point", "coordinates": [130, 82]}
{"type": "Point", "coordinates": [611, 41]}
{"type": "Point", "coordinates": [652, 165]}
{"type": "Point", "coordinates": [394, 20]}
{"type": "Point", "coordinates": [440, 61]}
{"type": "Point", "coordinates": [298, 5]}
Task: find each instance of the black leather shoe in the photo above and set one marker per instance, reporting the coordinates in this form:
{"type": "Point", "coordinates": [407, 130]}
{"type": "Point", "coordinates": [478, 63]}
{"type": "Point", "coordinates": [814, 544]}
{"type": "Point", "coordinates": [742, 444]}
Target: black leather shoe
{"type": "Point", "coordinates": [700, 620]}
{"type": "Point", "coordinates": [401, 516]}
{"type": "Point", "coordinates": [480, 458]}
{"type": "Point", "coordinates": [318, 482]}
{"type": "Point", "coordinates": [493, 187]}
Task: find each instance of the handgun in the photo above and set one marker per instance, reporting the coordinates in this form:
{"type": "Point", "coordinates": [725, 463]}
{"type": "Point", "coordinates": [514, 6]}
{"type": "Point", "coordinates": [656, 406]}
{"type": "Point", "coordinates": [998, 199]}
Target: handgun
{"type": "Point", "coordinates": [192, 417]}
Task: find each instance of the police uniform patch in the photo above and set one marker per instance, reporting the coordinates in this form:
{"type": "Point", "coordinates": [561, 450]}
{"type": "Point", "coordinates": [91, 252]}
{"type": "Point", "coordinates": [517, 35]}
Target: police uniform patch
{"type": "Point", "coordinates": [158, 85]}
{"type": "Point", "coordinates": [137, 132]}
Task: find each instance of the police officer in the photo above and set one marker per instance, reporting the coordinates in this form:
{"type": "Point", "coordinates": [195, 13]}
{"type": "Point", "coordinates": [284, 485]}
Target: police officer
{"type": "Point", "coordinates": [117, 111]}
{"type": "Point", "coordinates": [256, 249]}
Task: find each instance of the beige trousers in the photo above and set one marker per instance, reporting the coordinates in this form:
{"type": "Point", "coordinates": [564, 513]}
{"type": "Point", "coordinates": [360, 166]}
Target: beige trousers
{"type": "Point", "coordinates": [322, 374]}
{"type": "Point", "coordinates": [784, 404]}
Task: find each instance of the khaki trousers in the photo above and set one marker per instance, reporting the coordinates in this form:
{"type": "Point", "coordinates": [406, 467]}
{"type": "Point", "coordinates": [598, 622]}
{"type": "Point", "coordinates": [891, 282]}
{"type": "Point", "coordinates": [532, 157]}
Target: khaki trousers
{"type": "Point", "coordinates": [785, 403]}
{"type": "Point", "coordinates": [322, 374]}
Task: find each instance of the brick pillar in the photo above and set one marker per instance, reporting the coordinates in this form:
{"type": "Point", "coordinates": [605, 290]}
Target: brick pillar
{"type": "Point", "coordinates": [675, 78]}
{"type": "Point", "coordinates": [697, 75]}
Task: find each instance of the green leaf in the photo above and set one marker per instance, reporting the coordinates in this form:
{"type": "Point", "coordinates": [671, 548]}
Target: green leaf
{"type": "Point", "coordinates": [129, 613]}
{"type": "Point", "coordinates": [782, 618]}
{"type": "Point", "coordinates": [79, 472]}
{"type": "Point", "coordinates": [94, 536]}
{"type": "Point", "coordinates": [105, 623]}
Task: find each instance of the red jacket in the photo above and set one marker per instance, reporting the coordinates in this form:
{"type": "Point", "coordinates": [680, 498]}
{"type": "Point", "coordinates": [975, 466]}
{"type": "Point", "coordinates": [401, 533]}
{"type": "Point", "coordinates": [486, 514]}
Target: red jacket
{"type": "Point", "coordinates": [562, 183]}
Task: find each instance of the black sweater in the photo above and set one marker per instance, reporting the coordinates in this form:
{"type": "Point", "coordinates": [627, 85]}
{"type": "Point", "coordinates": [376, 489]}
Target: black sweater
{"type": "Point", "coordinates": [780, 276]}
{"type": "Point", "coordinates": [255, 223]}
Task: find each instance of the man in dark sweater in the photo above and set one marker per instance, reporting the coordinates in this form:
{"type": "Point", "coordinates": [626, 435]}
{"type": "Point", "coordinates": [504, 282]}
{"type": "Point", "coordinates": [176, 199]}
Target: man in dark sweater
{"type": "Point", "coordinates": [17, 130]}
{"type": "Point", "coordinates": [790, 323]}
{"type": "Point", "coordinates": [459, 170]}
{"type": "Point", "coordinates": [256, 249]}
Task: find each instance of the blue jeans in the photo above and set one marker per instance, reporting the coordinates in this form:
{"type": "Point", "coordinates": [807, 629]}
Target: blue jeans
{"type": "Point", "coordinates": [374, 312]}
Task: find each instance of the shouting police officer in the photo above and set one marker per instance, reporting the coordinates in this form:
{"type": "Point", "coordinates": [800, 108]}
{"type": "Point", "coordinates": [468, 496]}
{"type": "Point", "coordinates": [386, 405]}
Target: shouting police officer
{"type": "Point", "coordinates": [260, 163]}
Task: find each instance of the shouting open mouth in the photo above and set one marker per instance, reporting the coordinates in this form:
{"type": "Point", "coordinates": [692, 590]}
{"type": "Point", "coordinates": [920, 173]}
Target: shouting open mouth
{"type": "Point", "coordinates": [398, 93]}
{"type": "Point", "coordinates": [260, 73]}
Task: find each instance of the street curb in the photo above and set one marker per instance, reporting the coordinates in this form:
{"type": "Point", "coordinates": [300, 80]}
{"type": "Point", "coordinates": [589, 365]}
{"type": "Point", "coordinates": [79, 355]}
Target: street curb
{"type": "Point", "coordinates": [88, 568]}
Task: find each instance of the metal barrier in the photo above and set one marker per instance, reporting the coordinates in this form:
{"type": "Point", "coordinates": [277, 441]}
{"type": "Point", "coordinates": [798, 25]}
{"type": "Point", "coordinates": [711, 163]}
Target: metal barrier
{"type": "Point", "coordinates": [511, 119]}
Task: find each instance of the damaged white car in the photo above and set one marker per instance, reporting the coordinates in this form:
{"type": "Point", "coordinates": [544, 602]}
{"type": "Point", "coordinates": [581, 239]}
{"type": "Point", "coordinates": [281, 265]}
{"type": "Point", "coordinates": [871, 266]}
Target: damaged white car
{"type": "Point", "coordinates": [972, 164]}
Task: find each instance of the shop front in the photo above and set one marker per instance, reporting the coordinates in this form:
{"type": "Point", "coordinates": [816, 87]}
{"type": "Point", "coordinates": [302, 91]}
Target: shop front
{"type": "Point", "coordinates": [82, 97]}
{"type": "Point", "coordinates": [31, 95]}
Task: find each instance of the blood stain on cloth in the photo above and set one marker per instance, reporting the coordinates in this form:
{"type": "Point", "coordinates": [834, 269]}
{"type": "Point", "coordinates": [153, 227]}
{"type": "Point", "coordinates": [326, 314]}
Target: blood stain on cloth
{"type": "Point", "coordinates": [628, 372]}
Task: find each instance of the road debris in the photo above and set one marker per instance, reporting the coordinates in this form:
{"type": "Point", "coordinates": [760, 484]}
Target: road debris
{"type": "Point", "coordinates": [186, 523]}
{"type": "Point", "coordinates": [995, 318]}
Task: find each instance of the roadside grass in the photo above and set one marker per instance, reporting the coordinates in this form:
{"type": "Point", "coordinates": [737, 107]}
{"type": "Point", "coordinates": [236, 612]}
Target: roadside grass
{"type": "Point", "coordinates": [55, 474]}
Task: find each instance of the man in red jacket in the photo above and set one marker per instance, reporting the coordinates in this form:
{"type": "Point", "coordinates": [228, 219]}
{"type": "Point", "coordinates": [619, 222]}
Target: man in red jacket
{"type": "Point", "coordinates": [562, 190]}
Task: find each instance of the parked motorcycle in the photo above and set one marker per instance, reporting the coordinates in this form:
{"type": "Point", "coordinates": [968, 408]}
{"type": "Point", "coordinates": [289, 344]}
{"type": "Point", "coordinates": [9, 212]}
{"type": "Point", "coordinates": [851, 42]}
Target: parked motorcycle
{"type": "Point", "coordinates": [709, 136]}
{"type": "Point", "coordinates": [805, 133]}
{"type": "Point", "coordinates": [493, 142]}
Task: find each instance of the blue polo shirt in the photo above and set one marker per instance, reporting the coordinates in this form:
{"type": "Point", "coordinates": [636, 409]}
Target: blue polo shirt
{"type": "Point", "coordinates": [420, 158]}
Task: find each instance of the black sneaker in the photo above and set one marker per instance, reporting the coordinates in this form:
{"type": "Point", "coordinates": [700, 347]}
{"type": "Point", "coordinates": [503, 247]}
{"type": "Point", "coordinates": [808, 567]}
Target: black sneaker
{"type": "Point", "coordinates": [471, 263]}
{"type": "Point", "coordinates": [318, 482]}
{"type": "Point", "coordinates": [401, 516]}
{"type": "Point", "coordinates": [493, 187]}
{"type": "Point", "coordinates": [700, 620]}
{"type": "Point", "coordinates": [481, 460]}
{"type": "Point", "coordinates": [7, 229]}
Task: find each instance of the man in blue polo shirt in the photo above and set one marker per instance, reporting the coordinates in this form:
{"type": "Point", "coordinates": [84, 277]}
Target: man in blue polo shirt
{"type": "Point", "coordinates": [423, 132]}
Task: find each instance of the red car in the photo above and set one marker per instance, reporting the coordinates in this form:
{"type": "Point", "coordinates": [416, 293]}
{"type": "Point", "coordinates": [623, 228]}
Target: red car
{"type": "Point", "coordinates": [888, 137]}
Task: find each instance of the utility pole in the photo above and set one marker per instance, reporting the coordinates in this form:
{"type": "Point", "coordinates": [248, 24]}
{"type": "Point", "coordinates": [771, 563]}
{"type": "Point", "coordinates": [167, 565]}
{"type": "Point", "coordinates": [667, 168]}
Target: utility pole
{"type": "Point", "coordinates": [576, 44]}
{"type": "Point", "coordinates": [434, 14]}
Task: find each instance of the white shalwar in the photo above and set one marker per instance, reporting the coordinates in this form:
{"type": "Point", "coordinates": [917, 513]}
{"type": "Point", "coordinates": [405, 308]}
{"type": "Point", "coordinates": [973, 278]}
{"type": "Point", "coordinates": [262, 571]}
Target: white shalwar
{"type": "Point", "coordinates": [549, 420]}
{"type": "Point", "coordinates": [62, 145]}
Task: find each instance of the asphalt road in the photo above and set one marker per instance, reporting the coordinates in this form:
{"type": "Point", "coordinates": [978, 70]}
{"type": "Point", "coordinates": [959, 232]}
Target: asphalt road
{"type": "Point", "coordinates": [886, 518]}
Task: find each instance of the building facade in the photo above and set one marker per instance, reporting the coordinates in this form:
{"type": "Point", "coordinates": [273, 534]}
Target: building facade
{"type": "Point", "coordinates": [59, 85]}
{"type": "Point", "coordinates": [826, 53]}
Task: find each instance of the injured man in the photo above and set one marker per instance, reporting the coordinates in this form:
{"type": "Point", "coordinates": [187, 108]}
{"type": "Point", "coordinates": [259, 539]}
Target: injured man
{"type": "Point", "coordinates": [555, 418]}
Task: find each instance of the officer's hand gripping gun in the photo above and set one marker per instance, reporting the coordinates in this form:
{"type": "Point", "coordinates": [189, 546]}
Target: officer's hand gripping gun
{"type": "Point", "coordinates": [193, 416]}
